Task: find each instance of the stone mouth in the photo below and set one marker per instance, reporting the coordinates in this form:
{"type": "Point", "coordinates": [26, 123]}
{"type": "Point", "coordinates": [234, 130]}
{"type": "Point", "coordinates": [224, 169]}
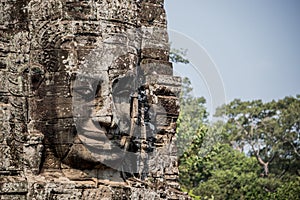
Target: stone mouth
{"type": "Point", "coordinates": [91, 131]}
{"type": "Point", "coordinates": [94, 137]}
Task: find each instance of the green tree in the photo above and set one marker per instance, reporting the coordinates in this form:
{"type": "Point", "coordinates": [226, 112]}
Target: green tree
{"type": "Point", "coordinates": [254, 154]}
{"type": "Point", "coordinates": [192, 117]}
{"type": "Point", "coordinates": [191, 128]}
{"type": "Point", "coordinates": [269, 134]}
{"type": "Point", "coordinates": [269, 131]}
{"type": "Point", "coordinates": [230, 174]}
{"type": "Point", "coordinates": [178, 56]}
{"type": "Point", "coordinates": [288, 190]}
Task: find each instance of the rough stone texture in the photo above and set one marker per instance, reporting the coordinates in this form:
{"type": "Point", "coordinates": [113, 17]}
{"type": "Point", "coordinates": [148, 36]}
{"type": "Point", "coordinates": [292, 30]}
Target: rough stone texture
{"type": "Point", "coordinates": [88, 102]}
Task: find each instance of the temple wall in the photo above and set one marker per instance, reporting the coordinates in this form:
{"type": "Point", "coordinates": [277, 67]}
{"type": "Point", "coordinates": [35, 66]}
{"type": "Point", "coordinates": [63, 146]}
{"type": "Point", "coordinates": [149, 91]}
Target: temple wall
{"type": "Point", "coordinates": [43, 46]}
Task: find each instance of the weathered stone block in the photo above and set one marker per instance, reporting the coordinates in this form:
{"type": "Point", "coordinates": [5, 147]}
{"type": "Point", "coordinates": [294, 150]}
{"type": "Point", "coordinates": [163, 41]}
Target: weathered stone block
{"type": "Point", "coordinates": [152, 14]}
{"type": "Point", "coordinates": [165, 90]}
{"type": "Point", "coordinates": [100, 193]}
{"type": "Point", "coordinates": [3, 82]}
{"type": "Point", "coordinates": [151, 66]}
{"type": "Point", "coordinates": [5, 156]}
{"type": "Point", "coordinates": [13, 185]}
{"type": "Point", "coordinates": [170, 104]}
{"type": "Point", "coordinates": [164, 80]}
{"type": "Point", "coordinates": [13, 197]}
{"type": "Point", "coordinates": [58, 108]}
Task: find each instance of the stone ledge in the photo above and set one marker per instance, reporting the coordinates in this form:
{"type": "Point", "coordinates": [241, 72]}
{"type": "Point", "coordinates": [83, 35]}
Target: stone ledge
{"type": "Point", "coordinates": [13, 185]}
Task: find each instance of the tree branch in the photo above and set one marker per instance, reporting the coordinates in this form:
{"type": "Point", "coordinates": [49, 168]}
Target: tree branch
{"type": "Point", "coordinates": [272, 158]}
{"type": "Point", "coordinates": [295, 149]}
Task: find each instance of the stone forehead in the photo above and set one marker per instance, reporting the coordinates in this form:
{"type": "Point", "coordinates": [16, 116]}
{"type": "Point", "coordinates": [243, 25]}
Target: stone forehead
{"type": "Point", "coordinates": [118, 10]}
{"type": "Point", "coordinates": [45, 35]}
{"type": "Point", "coordinates": [51, 35]}
{"type": "Point", "coordinates": [50, 21]}
{"type": "Point", "coordinates": [98, 46]}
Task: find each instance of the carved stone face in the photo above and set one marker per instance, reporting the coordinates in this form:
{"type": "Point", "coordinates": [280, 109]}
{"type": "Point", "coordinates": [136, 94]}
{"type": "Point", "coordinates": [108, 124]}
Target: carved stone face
{"type": "Point", "coordinates": [89, 100]}
{"type": "Point", "coordinates": [78, 102]}
{"type": "Point", "coordinates": [103, 93]}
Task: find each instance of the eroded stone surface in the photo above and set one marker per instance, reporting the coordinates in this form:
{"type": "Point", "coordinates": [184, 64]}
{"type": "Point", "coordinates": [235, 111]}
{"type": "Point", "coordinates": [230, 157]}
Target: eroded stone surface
{"type": "Point", "coordinates": [88, 102]}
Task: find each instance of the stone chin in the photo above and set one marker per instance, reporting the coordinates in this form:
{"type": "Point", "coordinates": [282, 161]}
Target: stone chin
{"type": "Point", "coordinates": [93, 149]}
{"type": "Point", "coordinates": [97, 142]}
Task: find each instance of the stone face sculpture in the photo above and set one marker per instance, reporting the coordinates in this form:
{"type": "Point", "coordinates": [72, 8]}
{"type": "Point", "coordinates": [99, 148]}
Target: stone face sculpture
{"type": "Point", "coordinates": [88, 101]}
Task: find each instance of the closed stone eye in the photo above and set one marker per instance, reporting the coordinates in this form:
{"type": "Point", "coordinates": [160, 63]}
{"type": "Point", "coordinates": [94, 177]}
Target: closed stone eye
{"type": "Point", "coordinates": [87, 88]}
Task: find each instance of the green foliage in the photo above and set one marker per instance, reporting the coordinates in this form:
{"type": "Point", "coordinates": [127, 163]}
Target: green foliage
{"type": "Point", "coordinates": [254, 154]}
{"type": "Point", "coordinates": [190, 162]}
{"type": "Point", "coordinates": [288, 190]}
{"type": "Point", "coordinates": [192, 117]}
{"type": "Point", "coordinates": [230, 174]}
{"type": "Point", "coordinates": [269, 130]}
{"type": "Point", "coordinates": [178, 56]}
{"type": "Point", "coordinates": [191, 128]}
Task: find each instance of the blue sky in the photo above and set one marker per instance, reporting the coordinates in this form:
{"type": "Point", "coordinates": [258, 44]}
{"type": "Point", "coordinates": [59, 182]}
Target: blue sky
{"type": "Point", "coordinates": [255, 44]}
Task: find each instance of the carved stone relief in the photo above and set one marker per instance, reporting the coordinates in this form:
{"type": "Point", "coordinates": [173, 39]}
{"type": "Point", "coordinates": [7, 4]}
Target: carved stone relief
{"type": "Point", "coordinates": [88, 101]}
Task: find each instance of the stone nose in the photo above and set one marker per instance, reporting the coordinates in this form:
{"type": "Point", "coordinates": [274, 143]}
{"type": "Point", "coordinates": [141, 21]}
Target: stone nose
{"type": "Point", "coordinates": [103, 110]}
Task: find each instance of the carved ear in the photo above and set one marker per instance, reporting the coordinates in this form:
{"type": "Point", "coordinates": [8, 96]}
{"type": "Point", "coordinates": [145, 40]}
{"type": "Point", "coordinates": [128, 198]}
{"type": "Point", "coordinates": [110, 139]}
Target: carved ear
{"type": "Point", "coordinates": [37, 76]}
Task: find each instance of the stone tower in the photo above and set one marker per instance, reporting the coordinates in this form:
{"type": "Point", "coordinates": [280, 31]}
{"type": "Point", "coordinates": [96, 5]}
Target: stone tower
{"type": "Point", "coordinates": [88, 101]}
